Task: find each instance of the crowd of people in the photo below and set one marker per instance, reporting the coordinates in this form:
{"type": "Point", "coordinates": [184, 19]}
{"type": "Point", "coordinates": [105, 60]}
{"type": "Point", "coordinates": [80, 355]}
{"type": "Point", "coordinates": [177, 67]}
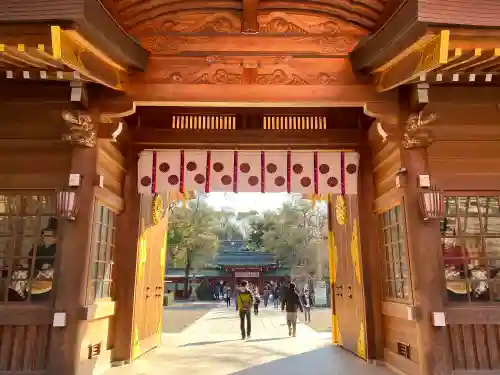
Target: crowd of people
{"type": "Point", "coordinates": [284, 297]}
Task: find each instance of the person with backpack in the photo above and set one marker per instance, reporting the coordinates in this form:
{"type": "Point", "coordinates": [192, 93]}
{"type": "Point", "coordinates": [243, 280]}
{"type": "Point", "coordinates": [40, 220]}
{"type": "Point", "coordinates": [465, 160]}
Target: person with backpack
{"type": "Point", "coordinates": [244, 302]}
{"type": "Point", "coordinates": [291, 301]}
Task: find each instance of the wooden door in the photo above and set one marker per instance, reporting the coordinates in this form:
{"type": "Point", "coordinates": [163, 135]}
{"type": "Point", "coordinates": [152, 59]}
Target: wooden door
{"type": "Point", "coordinates": [348, 289]}
{"type": "Point", "coordinates": [148, 299]}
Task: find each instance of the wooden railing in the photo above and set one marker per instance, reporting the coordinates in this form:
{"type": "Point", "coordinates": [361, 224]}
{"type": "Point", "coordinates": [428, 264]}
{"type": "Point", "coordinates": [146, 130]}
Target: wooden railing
{"type": "Point", "coordinates": [24, 338]}
{"type": "Point", "coordinates": [474, 334]}
{"type": "Point", "coordinates": [23, 348]}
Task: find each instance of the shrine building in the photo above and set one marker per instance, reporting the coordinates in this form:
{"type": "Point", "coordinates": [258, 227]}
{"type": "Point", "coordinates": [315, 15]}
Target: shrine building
{"type": "Point", "coordinates": [233, 263]}
{"type": "Point", "coordinates": [112, 110]}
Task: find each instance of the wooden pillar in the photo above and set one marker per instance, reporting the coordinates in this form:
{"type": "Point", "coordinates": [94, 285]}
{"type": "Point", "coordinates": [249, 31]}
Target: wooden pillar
{"type": "Point", "coordinates": [370, 255]}
{"type": "Point", "coordinates": [125, 264]}
{"type": "Point", "coordinates": [72, 270]}
{"type": "Point", "coordinates": [426, 267]}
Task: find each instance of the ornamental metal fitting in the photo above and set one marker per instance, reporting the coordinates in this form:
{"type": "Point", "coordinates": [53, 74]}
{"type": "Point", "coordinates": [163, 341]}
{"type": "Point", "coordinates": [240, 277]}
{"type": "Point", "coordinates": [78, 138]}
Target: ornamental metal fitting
{"type": "Point", "coordinates": [82, 131]}
{"type": "Point", "coordinates": [417, 134]}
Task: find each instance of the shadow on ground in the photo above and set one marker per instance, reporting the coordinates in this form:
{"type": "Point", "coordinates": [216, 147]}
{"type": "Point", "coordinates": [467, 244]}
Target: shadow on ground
{"type": "Point", "coordinates": [324, 361]}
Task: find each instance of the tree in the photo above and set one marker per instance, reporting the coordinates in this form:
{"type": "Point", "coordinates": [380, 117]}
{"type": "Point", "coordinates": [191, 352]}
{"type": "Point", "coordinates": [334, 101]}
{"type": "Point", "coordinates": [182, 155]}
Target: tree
{"type": "Point", "coordinates": [228, 228]}
{"type": "Point", "coordinates": [295, 233]}
{"type": "Point", "coordinates": [191, 236]}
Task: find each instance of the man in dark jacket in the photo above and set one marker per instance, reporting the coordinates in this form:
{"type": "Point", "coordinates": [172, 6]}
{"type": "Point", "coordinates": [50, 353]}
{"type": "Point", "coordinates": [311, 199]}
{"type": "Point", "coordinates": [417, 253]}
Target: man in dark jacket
{"type": "Point", "coordinates": [291, 301]}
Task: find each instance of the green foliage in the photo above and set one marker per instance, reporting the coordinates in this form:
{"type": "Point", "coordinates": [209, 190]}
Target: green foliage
{"type": "Point", "coordinates": [191, 238]}
{"type": "Point", "coordinates": [204, 291]}
{"type": "Point", "coordinates": [293, 233]}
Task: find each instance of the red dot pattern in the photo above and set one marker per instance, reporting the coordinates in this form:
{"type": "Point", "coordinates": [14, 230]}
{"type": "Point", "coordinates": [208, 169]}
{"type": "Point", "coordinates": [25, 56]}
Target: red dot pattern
{"type": "Point", "coordinates": [332, 182]}
{"type": "Point", "coordinates": [191, 166]}
{"type": "Point", "coordinates": [271, 168]}
{"type": "Point", "coordinates": [351, 168]}
{"type": "Point", "coordinates": [164, 167]}
{"type": "Point", "coordinates": [305, 181]}
{"type": "Point", "coordinates": [173, 179]}
{"type": "Point", "coordinates": [218, 167]}
{"type": "Point", "coordinates": [279, 181]}
{"type": "Point", "coordinates": [253, 180]}
{"type": "Point", "coordinates": [324, 168]}
{"type": "Point", "coordinates": [199, 178]}
{"type": "Point", "coordinates": [146, 181]}
{"type": "Point", "coordinates": [226, 180]}
{"type": "Point", "coordinates": [297, 168]}
{"type": "Point", "coordinates": [245, 167]}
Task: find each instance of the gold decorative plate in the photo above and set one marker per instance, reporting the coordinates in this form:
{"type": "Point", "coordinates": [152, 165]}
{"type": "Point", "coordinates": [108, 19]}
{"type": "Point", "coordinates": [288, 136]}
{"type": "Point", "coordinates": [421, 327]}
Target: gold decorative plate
{"type": "Point", "coordinates": [157, 209]}
{"type": "Point", "coordinates": [340, 210]}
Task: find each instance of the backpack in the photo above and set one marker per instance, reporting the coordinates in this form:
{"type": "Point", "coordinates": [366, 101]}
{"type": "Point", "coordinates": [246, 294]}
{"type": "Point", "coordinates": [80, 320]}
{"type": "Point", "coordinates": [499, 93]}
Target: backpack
{"type": "Point", "coordinates": [245, 302]}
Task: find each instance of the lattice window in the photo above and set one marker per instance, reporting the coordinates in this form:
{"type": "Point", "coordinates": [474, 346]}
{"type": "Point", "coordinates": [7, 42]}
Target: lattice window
{"type": "Point", "coordinates": [471, 248]}
{"type": "Point", "coordinates": [28, 242]}
{"type": "Point", "coordinates": [103, 248]}
{"type": "Point", "coordinates": [393, 250]}
{"type": "Point", "coordinates": [294, 123]}
{"type": "Point", "coordinates": [192, 122]}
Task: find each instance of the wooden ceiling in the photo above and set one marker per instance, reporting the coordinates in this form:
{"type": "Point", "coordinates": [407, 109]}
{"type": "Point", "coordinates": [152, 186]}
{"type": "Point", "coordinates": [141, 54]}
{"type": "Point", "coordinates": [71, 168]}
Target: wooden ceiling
{"type": "Point", "coordinates": [139, 16]}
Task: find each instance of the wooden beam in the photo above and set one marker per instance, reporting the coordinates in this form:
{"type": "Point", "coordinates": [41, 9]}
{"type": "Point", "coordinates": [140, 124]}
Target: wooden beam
{"type": "Point", "coordinates": [78, 54]}
{"type": "Point", "coordinates": [249, 24]}
{"type": "Point", "coordinates": [427, 54]}
{"type": "Point", "coordinates": [309, 45]}
{"type": "Point", "coordinates": [254, 95]}
{"type": "Point", "coordinates": [149, 138]}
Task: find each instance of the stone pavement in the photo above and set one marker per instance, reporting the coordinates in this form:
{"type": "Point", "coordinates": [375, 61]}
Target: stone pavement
{"type": "Point", "coordinates": [212, 346]}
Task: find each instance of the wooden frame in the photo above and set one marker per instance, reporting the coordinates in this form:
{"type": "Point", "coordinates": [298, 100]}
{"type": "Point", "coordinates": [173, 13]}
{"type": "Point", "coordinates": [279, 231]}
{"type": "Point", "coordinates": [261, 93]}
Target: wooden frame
{"type": "Point", "coordinates": [383, 249]}
{"type": "Point", "coordinates": [95, 253]}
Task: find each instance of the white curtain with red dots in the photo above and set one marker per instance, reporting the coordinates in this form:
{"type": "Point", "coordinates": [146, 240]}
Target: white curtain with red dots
{"type": "Point", "coordinates": [305, 172]}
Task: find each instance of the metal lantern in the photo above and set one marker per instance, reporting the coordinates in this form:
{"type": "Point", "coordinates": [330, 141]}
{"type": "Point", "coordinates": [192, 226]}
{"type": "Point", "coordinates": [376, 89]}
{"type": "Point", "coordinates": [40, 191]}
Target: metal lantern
{"type": "Point", "coordinates": [431, 202]}
{"type": "Point", "coordinates": [67, 204]}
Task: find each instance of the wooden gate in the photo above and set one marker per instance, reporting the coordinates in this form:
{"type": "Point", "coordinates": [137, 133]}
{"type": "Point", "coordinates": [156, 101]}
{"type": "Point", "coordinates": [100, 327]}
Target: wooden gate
{"type": "Point", "coordinates": [347, 287]}
{"type": "Point", "coordinates": [148, 299]}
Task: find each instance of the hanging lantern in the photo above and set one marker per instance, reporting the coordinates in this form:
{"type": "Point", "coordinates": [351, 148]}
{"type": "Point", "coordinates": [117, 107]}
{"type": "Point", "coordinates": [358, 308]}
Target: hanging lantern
{"type": "Point", "coordinates": [67, 204]}
{"type": "Point", "coordinates": [431, 202]}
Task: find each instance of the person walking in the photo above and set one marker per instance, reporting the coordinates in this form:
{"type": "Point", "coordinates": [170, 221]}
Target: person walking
{"type": "Point", "coordinates": [266, 296]}
{"type": "Point", "coordinates": [307, 303]}
{"type": "Point", "coordinates": [276, 298]}
{"type": "Point", "coordinates": [256, 301]}
{"type": "Point", "coordinates": [244, 303]}
{"type": "Point", "coordinates": [291, 301]}
{"type": "Point", "coordinates": [227, 296]}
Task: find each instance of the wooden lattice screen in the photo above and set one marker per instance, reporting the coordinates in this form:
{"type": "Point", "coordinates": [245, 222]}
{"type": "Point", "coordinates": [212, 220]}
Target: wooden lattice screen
{"type": "Point", "coordinates": [193, 122]}
{"type": "Point", "coordinates": [294, 122]}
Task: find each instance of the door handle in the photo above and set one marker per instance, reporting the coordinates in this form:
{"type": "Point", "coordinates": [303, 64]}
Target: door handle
{"type": "Point", "coordinates": [349, 291]}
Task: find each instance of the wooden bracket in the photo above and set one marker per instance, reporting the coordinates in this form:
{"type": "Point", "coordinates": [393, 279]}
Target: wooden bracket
{"type": "Point", "coordinates": [249, 23]}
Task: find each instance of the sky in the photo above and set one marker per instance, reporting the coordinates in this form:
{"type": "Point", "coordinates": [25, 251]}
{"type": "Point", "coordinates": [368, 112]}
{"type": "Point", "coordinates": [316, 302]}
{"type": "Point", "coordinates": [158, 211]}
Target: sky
{"type": "Point", "coordinates": [242, 202]}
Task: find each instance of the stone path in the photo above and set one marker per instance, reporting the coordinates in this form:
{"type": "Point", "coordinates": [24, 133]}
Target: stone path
{"type": "Point", "coordinates": [212, 346]}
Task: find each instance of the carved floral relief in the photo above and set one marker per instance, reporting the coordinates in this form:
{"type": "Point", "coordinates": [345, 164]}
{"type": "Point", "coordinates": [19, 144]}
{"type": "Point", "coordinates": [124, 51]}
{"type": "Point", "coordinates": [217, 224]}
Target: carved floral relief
{"type": "Point", "coordinates": [270, 70]}
{"type": "Point", "coordinates": [281, 22]}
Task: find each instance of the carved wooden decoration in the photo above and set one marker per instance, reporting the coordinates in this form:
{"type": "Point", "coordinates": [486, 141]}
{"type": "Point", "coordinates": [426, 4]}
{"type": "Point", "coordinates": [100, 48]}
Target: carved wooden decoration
{"type": "Point", "coordinates": [143, 16]}
{"type": "Point", "coordinates": [82, 131]}
{"type": "Point", "coordinates": [417, 134]}
{"type": "Point", "coordinates": [269, 70]}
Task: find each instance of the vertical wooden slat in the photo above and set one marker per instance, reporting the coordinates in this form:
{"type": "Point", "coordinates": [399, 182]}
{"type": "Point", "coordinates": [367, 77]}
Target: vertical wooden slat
{"type": "Point", "coordinates": [18, 348]}
{"type": "Point", "coordinates": [493, 339]}
{"type": "Point", "coordinates": [470, 347]}
{"type": "Point", "coordinates": [41, 348]}
{"type": "Point", "coordinates": [483, 356]}
{"type": "Point", "coordinates": [30, 348]}
{"type": "Point", "coordinates": [6, 337]}
{"type": "Point", "coordinates": [457, 347]}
